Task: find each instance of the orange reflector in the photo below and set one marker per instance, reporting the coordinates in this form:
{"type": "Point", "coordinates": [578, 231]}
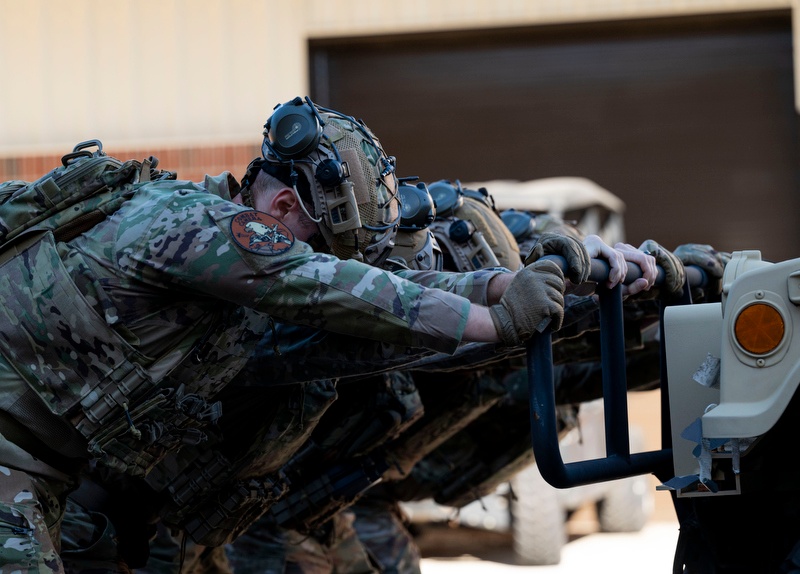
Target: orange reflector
{"type": "Point", "coordinates": [759, 328]}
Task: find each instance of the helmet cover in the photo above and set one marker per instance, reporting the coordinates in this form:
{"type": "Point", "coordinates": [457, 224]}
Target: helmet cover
{"type": "Point", "coordinates": [474, 236]}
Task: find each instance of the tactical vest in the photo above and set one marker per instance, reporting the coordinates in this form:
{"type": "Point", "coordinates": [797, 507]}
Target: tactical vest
{"type": "Point", "coordinates": [345, 455]}
{"type": "Point", "coordinates": [130, 408]}
{"type": "Point", "coordinates": [80, 366]}
{"type": "Point", "coordinates": [474, 237]}
{"type": "Point", "coordinates": [215, 498]}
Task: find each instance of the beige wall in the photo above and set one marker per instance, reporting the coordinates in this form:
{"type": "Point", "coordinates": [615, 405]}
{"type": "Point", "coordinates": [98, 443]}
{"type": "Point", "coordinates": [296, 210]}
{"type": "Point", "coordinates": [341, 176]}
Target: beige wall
{"type": "Point", "coordinates": [194, 72]}
{"type": "Point", "coordinates": [135, 71]}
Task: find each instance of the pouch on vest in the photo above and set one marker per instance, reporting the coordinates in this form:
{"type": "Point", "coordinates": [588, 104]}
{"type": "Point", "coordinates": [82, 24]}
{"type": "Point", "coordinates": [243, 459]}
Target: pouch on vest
{"type": "Point", "coordinates": [75, 196]}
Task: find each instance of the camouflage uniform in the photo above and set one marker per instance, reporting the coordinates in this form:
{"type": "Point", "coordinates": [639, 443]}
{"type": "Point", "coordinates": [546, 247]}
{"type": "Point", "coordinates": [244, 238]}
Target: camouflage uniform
{"type": "Point", "coordinates": [290, 339]}
{"type": "Point", "coordinates": [178, 264]}
{"type": "Point", "coordinates": [29, 521]}
{"type": "Point", "coordinates": [451, 402]}
{"type": "Point", "coordinates": [379, 522]}
{"type": "Point", "coordinates": [253, 392]}
{"type": "Point", "coordinates": [334, 548]}
{"type": "Point", "coordinates": [382, 527]}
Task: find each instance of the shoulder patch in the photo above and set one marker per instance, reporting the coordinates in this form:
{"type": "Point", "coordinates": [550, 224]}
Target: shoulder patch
{"type": "Point", "coordinates": [261, 233]}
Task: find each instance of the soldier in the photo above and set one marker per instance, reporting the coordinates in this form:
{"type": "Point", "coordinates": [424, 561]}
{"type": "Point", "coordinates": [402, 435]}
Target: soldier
{"type": "Point", "coordinates": [115, 344]}
{"type": "Point", "coordinates": [379, 520]}
{"type": "Point", "coordinates": [167, 555]}
{"type": "Point", "coordinates": [496, 444]}
{"type": "Point", "coordinates": [330, 547]}
{"type": "Point", "coordinates": [472, 235]}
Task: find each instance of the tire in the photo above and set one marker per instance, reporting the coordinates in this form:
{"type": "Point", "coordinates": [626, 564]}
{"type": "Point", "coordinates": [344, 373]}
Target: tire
{"type": "Point", "coordinates": [538, 522]}
{"type": "Point", "coordinates": [627, 506]}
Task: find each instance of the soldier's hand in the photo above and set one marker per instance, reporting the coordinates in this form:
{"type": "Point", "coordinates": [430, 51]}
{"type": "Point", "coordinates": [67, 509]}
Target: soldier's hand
{"type": "Point", "coordinates": [534, 299]}
{"type": "Point", "coordinates": [647, 264]}
{"type": "Point", "coordinates": [579, 264]}
{"type": "Point", "coordinates": [709, 260]}
{"type": "Point", "coordinates": [674, 271]}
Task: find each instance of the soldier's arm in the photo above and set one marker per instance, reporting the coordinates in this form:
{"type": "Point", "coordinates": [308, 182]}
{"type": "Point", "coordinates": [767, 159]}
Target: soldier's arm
{"type": "Point", "coordinates": [478, 286]}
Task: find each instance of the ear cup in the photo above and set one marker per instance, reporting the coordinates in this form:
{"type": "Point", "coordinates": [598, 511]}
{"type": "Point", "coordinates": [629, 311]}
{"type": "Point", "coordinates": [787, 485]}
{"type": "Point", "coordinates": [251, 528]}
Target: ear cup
{"type": "Point", "coordinates": [294, 130]}
{"type": "Point", "coordinates": [520, 223]}
{"type": "Point", "coordinates": [446, 197]}
{"type": "Point", "coordinates": [417, 208]}
{"type": "Point", "coordinates": [331, 173]}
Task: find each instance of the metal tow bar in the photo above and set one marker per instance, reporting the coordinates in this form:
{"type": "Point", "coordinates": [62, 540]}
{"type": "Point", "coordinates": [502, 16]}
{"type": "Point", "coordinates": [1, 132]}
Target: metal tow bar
{"type": "Point", "coordinates": [618, 462]}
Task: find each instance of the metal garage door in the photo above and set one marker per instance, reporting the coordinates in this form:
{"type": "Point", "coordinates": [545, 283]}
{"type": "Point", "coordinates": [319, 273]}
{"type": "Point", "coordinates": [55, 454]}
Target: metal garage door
{"type": "Point", "coordinates": [690, 121]}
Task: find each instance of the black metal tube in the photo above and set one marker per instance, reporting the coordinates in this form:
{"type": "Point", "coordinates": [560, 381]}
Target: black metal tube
{"type": "Point", "coordinates": [544, 432]}
{"type": "Point", "coordinates": [615, 387]}
{"type": "Point", "coordinates": [619, 462]}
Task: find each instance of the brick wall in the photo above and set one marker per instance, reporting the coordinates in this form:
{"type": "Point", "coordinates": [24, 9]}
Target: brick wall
{"type": "Point", "coordinates": [190, 163]}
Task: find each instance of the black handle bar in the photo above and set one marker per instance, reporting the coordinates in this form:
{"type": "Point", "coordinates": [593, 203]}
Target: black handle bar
{"type": "Point", "coordinates": [619, 462]}
{"type": "Point", "coordinates": [695, 276]}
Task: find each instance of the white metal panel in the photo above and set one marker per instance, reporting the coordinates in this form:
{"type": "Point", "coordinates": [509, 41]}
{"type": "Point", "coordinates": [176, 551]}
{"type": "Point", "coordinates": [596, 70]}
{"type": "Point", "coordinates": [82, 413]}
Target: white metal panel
{"type": "Point", "coordinates": [692, 332]}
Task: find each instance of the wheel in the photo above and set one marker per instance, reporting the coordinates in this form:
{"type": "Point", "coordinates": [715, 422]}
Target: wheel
{"type": "Point", "coordinates": [538, 520]}
{"type": "Point", "coordinates": [627, 506]}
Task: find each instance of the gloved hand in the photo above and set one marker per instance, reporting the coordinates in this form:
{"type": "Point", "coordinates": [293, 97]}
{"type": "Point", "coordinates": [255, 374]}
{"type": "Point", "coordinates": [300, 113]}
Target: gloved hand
{"type": "Point", "coordinates": [710, 260]}
{"type": "Point", "coordinates": [534, 298]}
{"type": "Point", "coordinates": [579, 264]}
{"type": "Point", "coordinates": [674, 272]}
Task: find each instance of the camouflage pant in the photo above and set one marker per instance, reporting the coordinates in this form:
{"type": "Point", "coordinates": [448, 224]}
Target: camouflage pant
{"type": "Point", "coordinates": [172, 553]}
{"type": "Point", "coordinates": [31, 508]}
{"type": "Point", "coordinates": [89, 543]}
{"type": "Point", "coordinates": [381, 528]}
{"type": "Point", "coordinates": [265, 549]}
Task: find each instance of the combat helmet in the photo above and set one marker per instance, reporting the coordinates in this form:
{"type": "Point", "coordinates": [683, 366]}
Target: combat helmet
{"type": "Point", "coordinates": [337, 165]}
{"type": "Point", "coordinates": [527, 227]}
{"type": "Point", "coordinates": [415, 245]}
{"type": "Point", "coordinates": [469, 229]}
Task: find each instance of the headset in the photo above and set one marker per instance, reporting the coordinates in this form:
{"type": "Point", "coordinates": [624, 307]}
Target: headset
{"type": "Point", "coordinates": [521, 224]}
{"type": "Point", "coordinates": [447, 196]}
{"type": "Point", "coordinates": [295, 129]}
{"type": "Point", "coordinates": [418, 209]}
{"type": "Point", "coordinates": [481, 194]}
{"type": "Point", "coordinates": [294, 132]}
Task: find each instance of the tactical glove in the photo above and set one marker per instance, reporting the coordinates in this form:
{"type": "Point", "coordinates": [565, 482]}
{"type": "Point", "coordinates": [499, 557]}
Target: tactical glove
{"type": "Point", "coordinates": [579, 264]}
{"type": "Point", "coordinates": [534, 298]}
{"type": "Point", "coordinates": [674, 271]}
{"type": "Point", "coordinates": [709, 260]}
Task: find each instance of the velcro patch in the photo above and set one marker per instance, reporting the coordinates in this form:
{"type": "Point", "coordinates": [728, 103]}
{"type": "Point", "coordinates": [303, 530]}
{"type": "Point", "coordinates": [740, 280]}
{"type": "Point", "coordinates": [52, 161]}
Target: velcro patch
{"type": "Point", "coordinates": [361, 186]}
{"type": "Point", "coordinates": [261, 233]}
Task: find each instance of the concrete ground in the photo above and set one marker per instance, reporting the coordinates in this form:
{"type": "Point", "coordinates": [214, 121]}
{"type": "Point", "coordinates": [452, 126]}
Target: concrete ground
{"type": "Point", "coordinates": [650, 550]}
{"type": "Point", "coordinates": [464, 550]}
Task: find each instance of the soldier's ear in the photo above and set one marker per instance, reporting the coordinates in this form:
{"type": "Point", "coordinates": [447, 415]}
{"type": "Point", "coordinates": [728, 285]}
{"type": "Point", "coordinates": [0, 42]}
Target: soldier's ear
{"type": "Point", "coordinates": [282, 203]}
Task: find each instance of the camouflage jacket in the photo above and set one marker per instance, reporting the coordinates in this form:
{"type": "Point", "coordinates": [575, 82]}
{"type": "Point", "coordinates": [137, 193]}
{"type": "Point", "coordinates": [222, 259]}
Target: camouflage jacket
{"type": "Point", "coordinates": [100, 328]}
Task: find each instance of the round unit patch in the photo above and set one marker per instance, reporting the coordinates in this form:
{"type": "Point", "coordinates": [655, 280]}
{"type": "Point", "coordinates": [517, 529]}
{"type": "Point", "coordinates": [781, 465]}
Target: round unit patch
{"type": "Point", "coordinates": [261, 233]}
